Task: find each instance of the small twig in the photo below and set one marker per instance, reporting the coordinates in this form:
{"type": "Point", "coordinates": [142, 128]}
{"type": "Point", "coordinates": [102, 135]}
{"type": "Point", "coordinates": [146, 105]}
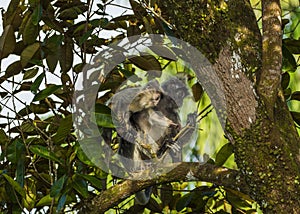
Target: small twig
{"type": "Point", "coordinates": [158, 16]}
{"type": "Point", "coordinates": [205, 115]}
{"type": "Point", "coordinates": [121, 6]}
{"type": "Point", "coordinates": [181, 133]}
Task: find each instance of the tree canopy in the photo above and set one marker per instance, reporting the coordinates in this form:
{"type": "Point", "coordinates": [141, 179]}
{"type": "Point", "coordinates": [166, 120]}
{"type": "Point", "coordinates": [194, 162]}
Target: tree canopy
{"type": "Point", "coordinates": [252, 48]}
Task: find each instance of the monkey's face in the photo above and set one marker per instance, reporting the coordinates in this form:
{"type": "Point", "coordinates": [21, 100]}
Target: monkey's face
{"type": "Point", "coordinates": [146, 99]}
{"type": "Point", "coordinates": [150, 98]}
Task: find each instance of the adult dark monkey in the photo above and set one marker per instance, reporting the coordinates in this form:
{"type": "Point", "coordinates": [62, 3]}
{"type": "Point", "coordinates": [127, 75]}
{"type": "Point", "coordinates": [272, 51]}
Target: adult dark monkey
{"type": "Point", "coordinates": [148, 124]}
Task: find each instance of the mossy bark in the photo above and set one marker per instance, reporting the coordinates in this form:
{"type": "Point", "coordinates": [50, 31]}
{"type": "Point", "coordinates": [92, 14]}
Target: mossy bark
{"type": "Point", "coordinates": [260, 127]}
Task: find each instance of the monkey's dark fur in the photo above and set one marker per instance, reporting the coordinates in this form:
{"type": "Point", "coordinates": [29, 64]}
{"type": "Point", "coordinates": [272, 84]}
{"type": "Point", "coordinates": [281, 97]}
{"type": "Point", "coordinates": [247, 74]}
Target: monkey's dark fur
{"type": "Point", "coordinates": [154, 122]}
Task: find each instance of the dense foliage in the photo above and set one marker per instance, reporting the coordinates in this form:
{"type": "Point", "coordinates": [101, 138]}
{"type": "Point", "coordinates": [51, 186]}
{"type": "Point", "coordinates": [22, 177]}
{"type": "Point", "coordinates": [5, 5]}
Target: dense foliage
{"type": "Point", "coordinates": [44, 46]}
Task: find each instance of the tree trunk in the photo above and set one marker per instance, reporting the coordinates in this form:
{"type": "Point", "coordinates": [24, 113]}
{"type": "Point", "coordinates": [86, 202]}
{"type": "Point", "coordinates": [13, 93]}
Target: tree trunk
{"type": "Point", "coordinates": [259, 124]}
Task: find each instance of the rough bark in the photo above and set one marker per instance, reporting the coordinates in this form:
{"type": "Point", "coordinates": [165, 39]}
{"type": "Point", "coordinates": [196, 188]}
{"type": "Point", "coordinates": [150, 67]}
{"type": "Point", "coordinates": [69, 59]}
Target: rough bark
{"type": "Point", "coordinates": [259, 124]}
{"type": "Point", "coordinates": [269, 77]}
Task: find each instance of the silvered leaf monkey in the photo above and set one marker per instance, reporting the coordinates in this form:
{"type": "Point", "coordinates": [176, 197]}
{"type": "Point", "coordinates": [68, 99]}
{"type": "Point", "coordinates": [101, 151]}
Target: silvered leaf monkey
{"type": "Point", "coordinates": [150, 125]}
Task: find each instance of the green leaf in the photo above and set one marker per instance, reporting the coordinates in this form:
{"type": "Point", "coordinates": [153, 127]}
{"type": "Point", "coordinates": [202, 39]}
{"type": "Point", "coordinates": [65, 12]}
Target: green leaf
{"type": "Point", "coordinates": [46, 92]}
{"type": "Point", "coordinates": [147, 25]}
{"type": "Point", "coordinates": [46, 201]}
{"type": "Point", "coordinates": [20, 154]}
{"type": "Point", "coordinates": [236, 200]}
{"type": "Point", "coordinates": [93, 180]}
{"type": "Point", "coordinates": [99, 22]}
{"type": "Point", "coordinates": [16, 186]}
{"type": "Point", "coordinates": [83, 157]}
{"type": "Point", "coordinates": [19, 48]}
{"type": "Point", "coordinates": [100, 6]}
{"type": "Point", "coordinates": [68, 14]}
{"type": "Point", "coordinates": [295, 17]}
{"type": "Point", "coordinates": [295, 95]}
{"type": "Point", "coordinates": [115, 25]}
{"type": "Point", "coordinates": [103, 116]}
{"type": "Point", "coordinates": [197, 91]}
{"type": "Point", "coordinates": [296, 117]}
{"type": "Point", "coordinates": [64, 129]}
{"type": "Point", "coordinates": [80, 186]}
{"type": "Point", "coordinates": [61, 203]}
{"type": "Point", "coordinates": [30, 73]}
{"type": "Point", "coordinates": [288, 62]}
{"type": "Point", "coordinates": [10, 153]}
{"type": "Point", "coordinates": [13, 69]}
{"type": "Point", "coordinates": [37, 82]}
{"type": "Point", "coordinates": [80, 28]}
{"type": "Point", "coordinates": [154, 206]}
{"type": "Point", "coordinates": [78, 68]}
{"type": "Point", "coordinates": [287, 93]}
{"type": "Point", "coordinates": [58, 186]}
{"type": "Point", "coordinates": [53, 23]}
{"type": "Point", "coordinates": [164, 52]}
{"type": "Point", "coordinates": [184, 201]}
{"type": "Point", "coordinates": [166, 194]}
{"type": "Point", "coordinates": [85, 37]}
{"type": "Point", "coordinates": [27, 127]}
{"type": "Point", "coordinates": [66, 56]}
{"type": "Point", "coordinates": [31, 194]}
{"type": "Point", "coordinates": [52, 61]}
{"type": "Point", "coordinates": [224, 153]}
{"type": "Point", "coordinates": [39, 108]}
{"type": "Point", "coordinates": [7, 41]}
{"type": "Point", "coordinates": [31, 31]}
{"type": "Point", "coordinates": [37, 14]}
{"type": "Point", "coordinates": [10, 12]}
{"type": "Point", "coordinates": [45, 153]}
{"type": "Point", "coordinates": [25, 86]}
{"type": "Point", "coordinates": [3, 138]}
{"type": "Point", "coordinates": [292, 45]}
{"type": "Point", "coordinates": [53, 43]}
{"type": "Point", "coordinates": [28, 53]}
{"type": "Point", "coordinates": [285, 80]}
{"type": "Point", "coordinates": [146, 63]}
{"type": "Point", "coordinates": [14, 151]}
{"type": "Point", "coordinates": [52, 50]}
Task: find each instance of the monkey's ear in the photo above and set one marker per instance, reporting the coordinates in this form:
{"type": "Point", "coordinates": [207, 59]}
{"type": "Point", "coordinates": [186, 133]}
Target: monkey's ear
{"type": "Point", "coordinates": [153, 84]}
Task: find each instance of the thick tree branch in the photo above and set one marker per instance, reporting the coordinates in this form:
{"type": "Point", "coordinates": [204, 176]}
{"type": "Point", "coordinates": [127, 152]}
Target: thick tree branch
{"type": "Point", "coordinates": [270, 76]}
{"type": "Point", "coordinates": [183, 172]}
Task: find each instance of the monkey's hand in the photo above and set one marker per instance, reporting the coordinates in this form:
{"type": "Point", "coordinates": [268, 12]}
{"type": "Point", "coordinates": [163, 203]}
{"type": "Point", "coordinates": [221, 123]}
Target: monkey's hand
{"type": "Point", "coordinates": [168, 144]}
{"type": "Point", "coordinates": [192, 119]}
{"type": "Point", "coordinates": [186, 132]}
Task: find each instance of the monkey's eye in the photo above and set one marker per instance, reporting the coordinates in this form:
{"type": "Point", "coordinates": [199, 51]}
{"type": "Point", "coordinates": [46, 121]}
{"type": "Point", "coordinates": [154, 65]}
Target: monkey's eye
{"type": "Point", "coordinates": [156, 97]}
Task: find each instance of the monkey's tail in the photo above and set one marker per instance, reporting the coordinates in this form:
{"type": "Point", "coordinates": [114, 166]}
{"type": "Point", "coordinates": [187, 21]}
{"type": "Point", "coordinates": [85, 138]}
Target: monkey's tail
{"type": "Point", "coordinates": [143, 197]}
